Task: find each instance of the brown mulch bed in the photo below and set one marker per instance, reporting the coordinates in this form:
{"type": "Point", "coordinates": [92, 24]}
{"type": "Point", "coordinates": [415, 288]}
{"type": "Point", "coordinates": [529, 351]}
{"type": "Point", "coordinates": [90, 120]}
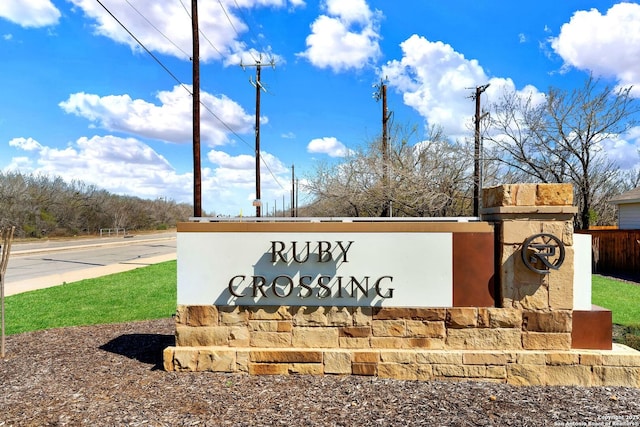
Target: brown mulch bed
{"type": "Point", "coordinates": [111, 375]}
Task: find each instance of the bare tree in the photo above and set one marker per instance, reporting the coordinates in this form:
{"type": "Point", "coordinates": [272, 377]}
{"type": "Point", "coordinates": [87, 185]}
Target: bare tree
{"type": "Point", "coordinates": [426, 178]}
{"type": "Point", "coordinates": [560, 139]}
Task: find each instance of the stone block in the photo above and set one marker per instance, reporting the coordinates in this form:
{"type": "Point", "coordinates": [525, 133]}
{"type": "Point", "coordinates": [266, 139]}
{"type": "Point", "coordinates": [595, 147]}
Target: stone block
{"type": "Point", "coordinates": [233, 315]}
{"type": "Point", "coordinates": [575, 375]}
{"type": "Point", "coordinates": [424, 372]}
{"type": "Point", "coordinates": [242, 361]}
{"type": "Point", "coordinates": [521, 287]}
{"type": "Point", "coordinates": [167, 359]}
{"type": "Point", "coordinates": [497, 196]}
{"type": "Point", "coordinates": [181, 314]}
{"type": "Point", "coordinates": [591, 359]}
{"type": "Point", "coordinates": [617, 376]}
{"type": "Point", "coordinates": [483, 317]}
{"type": "Point", "coordinates": [562, 358]}
{"type": "Point", "coordinates": [426, 329]}
{"type": "Point", "coordinates": [239, 336]}
{"type": "Point", "coordinates": [531, 358]}
{"type": "Point", "coordinates": [388, 328]}
{"type": "Point", "coordinates": [563, 230]}
{"type": "Point", "coordinates": [546, 341]}
{"type": "Point", "coordinates": [417, 313]}
{"type": "Point", "coordinates": [497, 372]}
{"type": "Point", "coordinates": [386, 342]}
{"type": "Point", "coordinates": [549, 321]}
{"type": "Point", "coordinates": [397, 371]}
{"type": "Point", "coordinates": [554, 195]}
{"type": "Point", "coordinates": [366, 356]}
{"type": "Point", "coordinates": [516, 231]}
{"type": "Point", "coordinates": [523, 194]}
{"type": "Point", "coordinates": [348, 342]}
{"type": "Point", "coordinates": [337, 362]}
{"type": "Point", "coordinates": [309, 316]}
{"type": "Point", "coordinates": [285, 356]}
{"type": "Point", "coordinates": [484, 339]}
{"type": "Point", "coordinates": [526, 375]}
{"type": "Point", "coordinates": [448, 370]}
{"type": "Point", "coordinates": [361, 316]}
{"type": "Point", "coordinates": [484, 358]}
{"type": "Point", "coordinates": [439, 357]}
{"type": "Point", "coordinates": [268, 369]}
{"type": "Point", "coordinates": [617, 359]}
{"type": "Point", "coordinates": [306, 368]}
{"type": "Point", "coordinates": [339, 316]}
{"type": "Point", "coordinates": [474, 371]}
{"type": "Point", "coordinates": [216, 361]}
{"type": "Point", "coordinates": [462, 317]}
{"type": "Point", "coordinates": [398, 356]}
{"type": "Point", "coordinates": [424, 343]}
{"type": "Point", "coordinates": [185, 359]}
{"type": "Point", "coordinates": [270, 339]}
{"type": "Point", "coordinates": [270, 325]}
{"type": "Point", "coordinates": [269, 313]}
{"type": "Point", "coordinates": [355, 331]}
{"type": "Point", "coordinates": [367, 369]}
{"type": "Point", "coordinates": [310, 337]}
{"type": "Point", "coordinates": [507, 317]}
{"type": "Point", "coordinates": [201, 315]}
{"type": "Point", "coordinates": [263, 325]}
{"type": "Point", "coordinates": [202, 336]}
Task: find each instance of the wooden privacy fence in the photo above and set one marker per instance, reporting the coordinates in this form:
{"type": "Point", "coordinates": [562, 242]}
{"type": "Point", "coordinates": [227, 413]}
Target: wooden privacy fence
{"type": "Point", "coordinates": [615, 252]}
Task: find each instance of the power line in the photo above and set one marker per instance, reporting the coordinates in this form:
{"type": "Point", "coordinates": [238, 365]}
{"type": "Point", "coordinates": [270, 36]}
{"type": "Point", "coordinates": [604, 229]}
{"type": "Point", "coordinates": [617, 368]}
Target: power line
{"type": "Point", "coordinates": [257, 39]}
{"type": "Point", "coordinates": [158, 30]}
{"type": "Point", "coordinates": [174, 77]}
{"type": "Point", "coordinates": [201, 31]}
{"type": "Point", "coordinates": [234, 28]}
{"type": "Point", "coordinates": [145, 48]}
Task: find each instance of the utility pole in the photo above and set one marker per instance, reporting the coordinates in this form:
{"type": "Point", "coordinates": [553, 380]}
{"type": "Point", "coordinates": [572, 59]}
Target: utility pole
{"type": "Point", "coordinates": [477, 179]}
{"type": "Point", "coordinates": [197, 180]}
{"type": "Point", "coordinates": [258, 64]}
{"type": "Point", "coordinates": [293, 190]}
{"type": "Point", "coordinates": [381, 94]}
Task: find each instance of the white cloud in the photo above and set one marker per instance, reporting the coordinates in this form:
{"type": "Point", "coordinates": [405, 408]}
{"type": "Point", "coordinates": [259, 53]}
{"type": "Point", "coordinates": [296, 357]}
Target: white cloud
{"type": "Point", "coordinates": [328, 145]}
{"type": "Point", "coordinates": [26, 144]}
{"type": "Point", "coordinates": [119, 165]}
{"type": "Point", "coordinates": [169, 121]}
{"type": "Point", "coordinates": [607, 45]}
{"type": "Point", "coordinates": [219, 24]}
{"type": "Point", "coordinates": [7, 37]}
{"type": "Point", "coordinates": [347, 38]}
{"type": "Point", "coordinates": [31, 13]}
{"type": "Point", "coordinates": [437, 82]}
{"type": "Point", "coordinates": [623, 149]}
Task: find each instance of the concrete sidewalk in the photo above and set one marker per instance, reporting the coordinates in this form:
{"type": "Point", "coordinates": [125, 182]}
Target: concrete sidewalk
{"type": "Point", "coordinates": [87, 273]}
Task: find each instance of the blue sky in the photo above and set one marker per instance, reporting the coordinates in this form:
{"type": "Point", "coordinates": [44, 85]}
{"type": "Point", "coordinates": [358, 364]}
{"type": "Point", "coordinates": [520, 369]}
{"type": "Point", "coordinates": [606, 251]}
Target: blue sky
{"type": "Point", "coordinates": [82, 100]}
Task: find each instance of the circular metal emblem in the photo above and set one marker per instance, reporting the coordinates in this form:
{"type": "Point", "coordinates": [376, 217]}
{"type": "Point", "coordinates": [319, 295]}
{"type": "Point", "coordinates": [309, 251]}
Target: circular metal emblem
{"type": "Point", "coordinates": [542, 253]}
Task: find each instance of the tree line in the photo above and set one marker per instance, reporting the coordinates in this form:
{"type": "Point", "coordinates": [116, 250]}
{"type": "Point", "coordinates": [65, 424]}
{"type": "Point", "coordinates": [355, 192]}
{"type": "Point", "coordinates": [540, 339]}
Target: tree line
{"type": "Point", "coordinates": [38, 205]}
{"type": "Point", "coordinates": [556, 140]}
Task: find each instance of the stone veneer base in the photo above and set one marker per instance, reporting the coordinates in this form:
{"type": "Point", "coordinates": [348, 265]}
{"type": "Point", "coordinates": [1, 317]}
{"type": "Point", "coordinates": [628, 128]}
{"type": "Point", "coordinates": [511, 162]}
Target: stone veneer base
{"type": "Point", "coordinates": [617, 367]}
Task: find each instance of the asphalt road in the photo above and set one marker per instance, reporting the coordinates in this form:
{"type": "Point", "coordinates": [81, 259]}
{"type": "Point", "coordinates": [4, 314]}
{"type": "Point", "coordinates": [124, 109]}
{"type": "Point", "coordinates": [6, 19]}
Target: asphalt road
{"type": "Point", "coordinates": [54, 262]}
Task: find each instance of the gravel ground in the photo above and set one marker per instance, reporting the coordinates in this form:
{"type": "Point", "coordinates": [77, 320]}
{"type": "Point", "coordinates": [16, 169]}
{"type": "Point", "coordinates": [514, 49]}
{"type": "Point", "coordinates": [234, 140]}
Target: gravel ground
{"type": "Point", "coordinates": [111, 375]}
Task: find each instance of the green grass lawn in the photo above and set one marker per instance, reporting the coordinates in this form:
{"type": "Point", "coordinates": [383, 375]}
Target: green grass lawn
{"type": "Point", "coordinates": [623, 299]}
{"type": "Point", "coordinates": [140, 294]}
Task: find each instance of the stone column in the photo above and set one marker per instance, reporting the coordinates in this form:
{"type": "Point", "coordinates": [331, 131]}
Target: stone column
{"type": "Point", "coordinates": [520, 212]}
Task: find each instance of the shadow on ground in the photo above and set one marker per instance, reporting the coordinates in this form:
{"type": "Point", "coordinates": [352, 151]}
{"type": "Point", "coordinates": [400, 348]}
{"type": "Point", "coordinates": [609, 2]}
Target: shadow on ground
{"type": "Point", "coordinates": [145, 348]}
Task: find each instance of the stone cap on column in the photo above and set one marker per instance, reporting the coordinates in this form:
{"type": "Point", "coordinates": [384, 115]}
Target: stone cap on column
{"type": "Point", "coordinates": [511, 201]}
